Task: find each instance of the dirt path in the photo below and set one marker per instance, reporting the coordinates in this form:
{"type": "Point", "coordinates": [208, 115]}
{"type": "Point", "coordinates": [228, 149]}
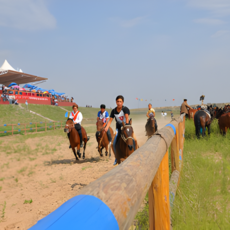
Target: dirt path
{"type": "Point", "coordinates": [39, 174]}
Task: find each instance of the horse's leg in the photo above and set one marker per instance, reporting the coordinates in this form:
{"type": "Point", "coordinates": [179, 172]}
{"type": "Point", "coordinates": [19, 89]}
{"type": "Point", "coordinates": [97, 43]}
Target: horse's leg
{"type": "Point", "coordinates": [209, 129]}
{"type": "Point", "coordinates": [110, 150]}
{"type": "Point", "coordinates": [106, 150]}
{"type": "Point", "coordinates": [75, 153]}
{"type": "Point", "coordinates": [78, 150]}
{"type": "Point", "coordinates": [85, 142]}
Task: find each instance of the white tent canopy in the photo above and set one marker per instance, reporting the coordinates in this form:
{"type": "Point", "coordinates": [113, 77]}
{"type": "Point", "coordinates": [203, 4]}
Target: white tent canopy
{"type": "Point", "coordinates": [8, 75]}
{"type": "Point", "coordinates": [6, 66]}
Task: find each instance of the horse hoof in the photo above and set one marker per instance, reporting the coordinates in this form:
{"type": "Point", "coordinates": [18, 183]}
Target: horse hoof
{"type": "Point", "coordinates": [77, 159]}
{"type": "Point", "coordinates": [83, 157]}
{"type": "Point", "coordinates": [79, 154]}
{"type": "Point", "coordinates": [106, 153]}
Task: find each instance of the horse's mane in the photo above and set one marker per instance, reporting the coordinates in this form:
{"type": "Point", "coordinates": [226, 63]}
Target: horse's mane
{"type": "Point", "coordinates": [69, 119]}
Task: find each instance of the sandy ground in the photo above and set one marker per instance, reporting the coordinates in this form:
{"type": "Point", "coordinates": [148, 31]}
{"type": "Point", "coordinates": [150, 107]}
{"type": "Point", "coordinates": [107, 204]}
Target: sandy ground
{"type": "Point", "coordinates": [50, 177]}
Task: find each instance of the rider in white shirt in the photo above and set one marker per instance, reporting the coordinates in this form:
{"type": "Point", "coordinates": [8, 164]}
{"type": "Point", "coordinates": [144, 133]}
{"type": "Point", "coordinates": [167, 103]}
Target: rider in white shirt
{"type": "Point", "coordinates": [77, 117]}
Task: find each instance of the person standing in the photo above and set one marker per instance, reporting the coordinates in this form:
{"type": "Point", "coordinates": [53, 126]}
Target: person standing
{"type": "Point", "coordinates": [77, 118]}
{"type": "Point", "coordinates": [184, 108]}
{"type": "Point", "coordinates": [26, 104]}
{"type": "Point", "coordinates": [121, 114]}
{"type": "Point", "coordinates": [104, 116]}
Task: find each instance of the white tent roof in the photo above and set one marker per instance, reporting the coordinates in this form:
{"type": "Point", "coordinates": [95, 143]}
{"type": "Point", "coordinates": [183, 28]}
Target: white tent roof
{"type": "Point", "coordinates": [6, 66]}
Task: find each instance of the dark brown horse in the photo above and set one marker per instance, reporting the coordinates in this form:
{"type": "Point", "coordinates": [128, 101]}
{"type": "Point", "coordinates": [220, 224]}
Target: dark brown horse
{"type": "Point", "coordinates": [125, 144]}
{"type": "Point", "coordinates": [102, 138]}
{"type": "Point", "coordinates": [74, 138]}
{"type": "Point", "coordinates": [224, 122]}
{"type": "Point", "coordinates": [202, 120]}
{"type": "Point", "coordinates": [150, 126]}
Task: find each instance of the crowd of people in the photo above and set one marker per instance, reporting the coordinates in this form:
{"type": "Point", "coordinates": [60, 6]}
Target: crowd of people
{"type": "Point", "coordinates": [6, 93]}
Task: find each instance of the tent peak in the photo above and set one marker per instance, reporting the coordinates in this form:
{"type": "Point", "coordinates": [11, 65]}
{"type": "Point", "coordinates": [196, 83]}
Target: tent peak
{"type": "Point", "coordinates": [6, 66]}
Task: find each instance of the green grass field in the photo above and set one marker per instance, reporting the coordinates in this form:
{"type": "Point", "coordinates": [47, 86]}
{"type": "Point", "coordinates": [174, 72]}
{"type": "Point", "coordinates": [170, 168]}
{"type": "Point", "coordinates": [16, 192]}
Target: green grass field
{"type": "Point", "coordinates": [203, 196]}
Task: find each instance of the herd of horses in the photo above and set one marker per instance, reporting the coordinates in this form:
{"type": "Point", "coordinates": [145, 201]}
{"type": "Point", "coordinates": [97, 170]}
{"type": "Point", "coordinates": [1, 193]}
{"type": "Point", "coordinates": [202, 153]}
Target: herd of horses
{"type": "Point", "coordinates": [126, 145]}
{"type": "Point", "coordinates": [204, 117]}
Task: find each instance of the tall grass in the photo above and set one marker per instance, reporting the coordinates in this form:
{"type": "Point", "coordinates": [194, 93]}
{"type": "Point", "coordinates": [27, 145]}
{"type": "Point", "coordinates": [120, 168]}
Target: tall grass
{"type": "Point", "coordinates": [203, 195]}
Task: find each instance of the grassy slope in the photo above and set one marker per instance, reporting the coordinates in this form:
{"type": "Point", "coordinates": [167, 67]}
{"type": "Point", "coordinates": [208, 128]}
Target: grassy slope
{"type": "Point", "coordinates": [203, 196]}
{"type": "Point", "coordinates": [11, 114]}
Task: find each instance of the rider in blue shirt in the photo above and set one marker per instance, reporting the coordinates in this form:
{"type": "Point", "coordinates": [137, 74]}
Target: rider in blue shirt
{"type": "Point", "coordinates": [104, 116]}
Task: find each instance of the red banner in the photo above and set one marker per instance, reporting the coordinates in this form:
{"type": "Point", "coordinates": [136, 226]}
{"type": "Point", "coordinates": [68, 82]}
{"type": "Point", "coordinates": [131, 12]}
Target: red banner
{"type": "Point", "coordinates": [32, 98]}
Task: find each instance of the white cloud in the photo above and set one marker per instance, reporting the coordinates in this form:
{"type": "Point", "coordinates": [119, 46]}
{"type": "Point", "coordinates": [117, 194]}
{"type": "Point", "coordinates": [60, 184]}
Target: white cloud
{"type": "Point", "coordinates": [26, 15]}
{"type": "Point", "coordinates": [209, 21]}
{"type": "Point", "coordinates": [217, 7]}
{"type": "Point", "coordinates": [130, 22]}
{"type": "Point", "coordinates": [222, 33]}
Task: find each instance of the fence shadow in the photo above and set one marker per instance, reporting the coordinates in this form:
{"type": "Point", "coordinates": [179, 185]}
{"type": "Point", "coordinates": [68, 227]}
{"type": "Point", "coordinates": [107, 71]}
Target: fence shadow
{"type": "Point", "coordinates": [72, 161]}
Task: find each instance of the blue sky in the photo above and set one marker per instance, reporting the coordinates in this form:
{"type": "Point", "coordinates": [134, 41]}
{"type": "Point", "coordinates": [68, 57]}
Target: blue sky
{"type": "Point", "coordinates": [95, 50]}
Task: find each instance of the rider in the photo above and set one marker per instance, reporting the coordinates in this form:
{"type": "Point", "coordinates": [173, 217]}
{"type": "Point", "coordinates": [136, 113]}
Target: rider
{"type": "Point", "coordinates": [120, 113]}
{"type": "Point", "coordinates": [104, 116]}
{"type": "Point", "coordinates": [184, 108]}
{"type": "Point", "coordinates": [77, 117]}
{"type": "Point", "coordinates": [151, 112]}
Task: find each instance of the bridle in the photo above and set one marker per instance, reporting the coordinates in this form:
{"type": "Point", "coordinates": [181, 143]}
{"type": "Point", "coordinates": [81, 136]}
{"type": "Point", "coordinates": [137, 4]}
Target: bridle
{"type": "Point", "coordinates": [69, 127]}
{"type": "Point", "coordinates": [122, 135]}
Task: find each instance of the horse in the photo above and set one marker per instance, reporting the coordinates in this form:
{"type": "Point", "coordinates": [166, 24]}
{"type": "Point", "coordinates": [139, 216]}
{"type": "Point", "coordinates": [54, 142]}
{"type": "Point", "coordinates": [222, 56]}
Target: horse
{"type": "Point", "coordinates": [150, 126]}
{"type": "Point", "coordinates": [191, 113]}
{"type": "Point", "coordinates": [125, 144]}
{"type": "Point", "coordinates": [74, 138]}
{"type": "Point", "coordinates": [102, 138]}
{"type": "Point", "coordinates": [224, 123]}
{"type": "Point", "coordinates": [202, 120]}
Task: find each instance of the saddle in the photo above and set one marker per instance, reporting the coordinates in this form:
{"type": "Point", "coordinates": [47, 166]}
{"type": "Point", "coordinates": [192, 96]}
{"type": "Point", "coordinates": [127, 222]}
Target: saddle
{"type": "Point", "coordinates": [207, 112]}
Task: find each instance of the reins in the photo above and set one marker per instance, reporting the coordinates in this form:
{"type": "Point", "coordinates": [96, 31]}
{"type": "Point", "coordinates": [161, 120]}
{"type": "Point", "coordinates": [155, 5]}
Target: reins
{"type": "Point", "coordinates": [122, 135]}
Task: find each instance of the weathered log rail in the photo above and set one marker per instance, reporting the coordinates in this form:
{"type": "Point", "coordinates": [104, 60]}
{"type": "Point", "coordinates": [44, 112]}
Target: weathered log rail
{"type": "Point", "coordinates": [112, 201]}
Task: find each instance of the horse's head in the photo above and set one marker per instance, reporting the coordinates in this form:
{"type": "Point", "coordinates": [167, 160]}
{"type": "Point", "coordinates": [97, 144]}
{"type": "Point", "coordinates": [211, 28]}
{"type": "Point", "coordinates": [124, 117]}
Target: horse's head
{"type": "Point", "coordinates": [99, 125]}
{"type": "Point", "coordinates": [68, 125]}
{"type": "Point", "coordinates": [150, 126]}
{"type": "Point", "coordinates": [127, 134]}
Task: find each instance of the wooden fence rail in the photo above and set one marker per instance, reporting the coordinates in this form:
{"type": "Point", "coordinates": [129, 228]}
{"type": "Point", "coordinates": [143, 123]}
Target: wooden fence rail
{"type": "Point", "coordinates": [11, 129]}
{"type": "Point", "coordinates": [113, 200]}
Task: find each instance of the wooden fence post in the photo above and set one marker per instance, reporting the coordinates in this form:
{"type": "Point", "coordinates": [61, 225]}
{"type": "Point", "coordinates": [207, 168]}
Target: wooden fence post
{"type": "Point", "coordinates": [36, 126]}
{"type": "Point", "coordinates": [25, 128]}
{"type": "Point", "coordinates": [45, 126]}
{"type": "Point", "coordinates": [159, 205]}
{"type": "Point", "coordinates": [12, 129]}
{"type": "Point", "coordinates": [175, 152]}
{"type": "Point", "coordinates": [54, 125]}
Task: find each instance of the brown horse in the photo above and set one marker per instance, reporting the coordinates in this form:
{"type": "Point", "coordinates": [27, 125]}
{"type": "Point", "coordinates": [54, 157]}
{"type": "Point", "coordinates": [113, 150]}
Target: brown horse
{"type": "Point", "coordinates": [150, 126]}
{"type": "Point", "coordinates": [125, 144]}
{"type": "Point", "coordinates": [191, 113]}
{"type": "Point", "coordinates": [74, 138]}
{"type": "Point", "coordinates": [202, 120]}
{"type": "Point", "coordinates": [224, 123]}
{"type": "Point", "coordinates": [102, 138]}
